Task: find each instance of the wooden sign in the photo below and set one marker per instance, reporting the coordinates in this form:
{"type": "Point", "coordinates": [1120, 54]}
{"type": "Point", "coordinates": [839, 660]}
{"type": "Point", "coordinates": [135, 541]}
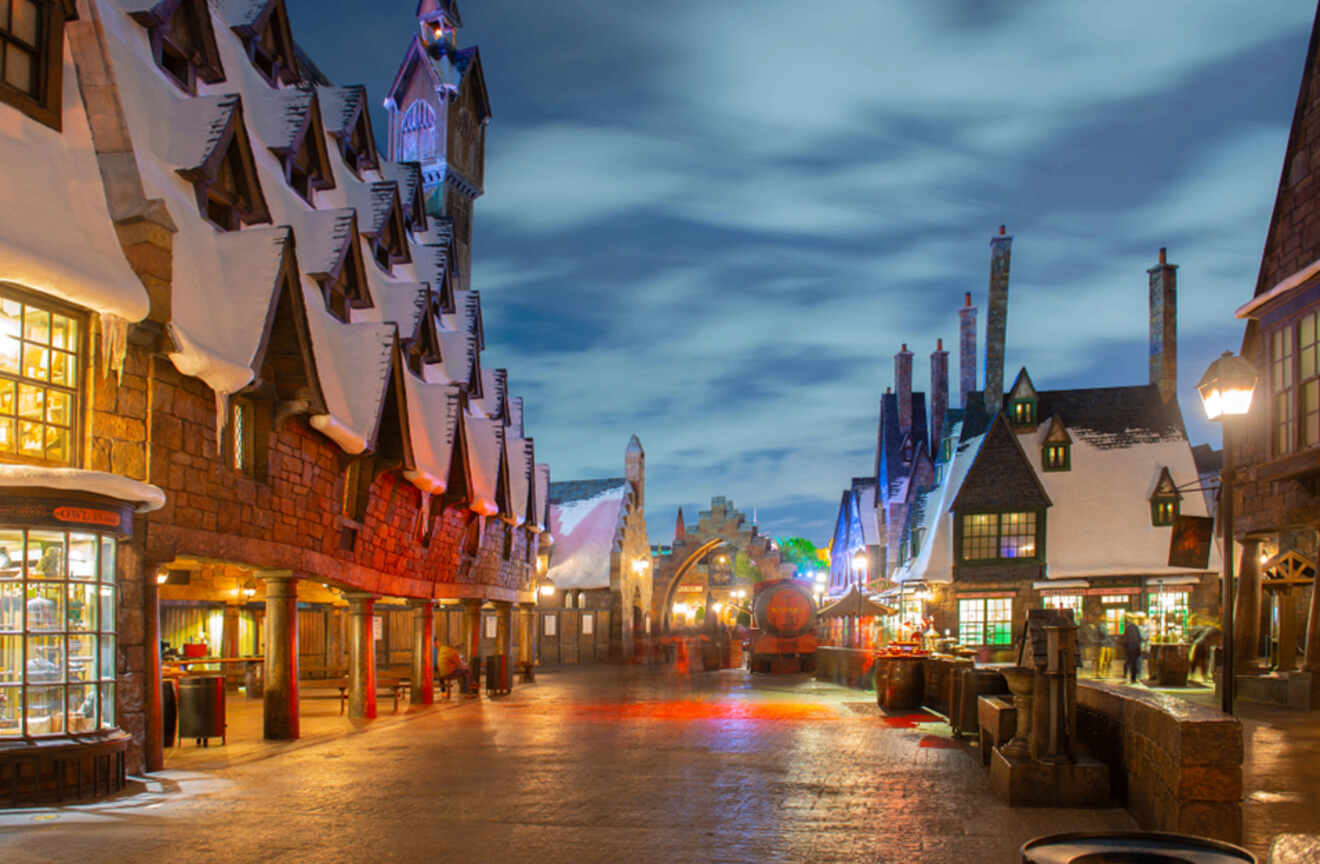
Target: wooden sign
{"type": "Point", "coordinates": [69, 513]}
{"type": "Point", "coordinates": [1189, 545]}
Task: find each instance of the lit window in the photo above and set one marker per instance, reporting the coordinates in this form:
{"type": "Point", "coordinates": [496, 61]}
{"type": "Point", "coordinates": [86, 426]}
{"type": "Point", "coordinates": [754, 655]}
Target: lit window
{"type": "Point", "coordinates": [417, 134]}
{"type": "Point", "coordinates": [1056, 457]}
{"type": "Point", "coordinates": [57, 633]}
{"type": "Point", "coordinates": [1115, 608]}
{"type": "Point", "coordinates": [1169, 609]}
{"type": "Point", "coordinates": [1071, 602]}
{"type": "Point", "coordinates": [1163, 511]}
{"type": "Point", "coordinates": [352, 478]}
{"type": "Point", "coordinates": [996, 536]}
{"type": "Point", "coordinates": [240, 436]}
{"type": "Point", "coordinates": [1283, 390]}
{"type": "Point", "coordinates": [40, 364]}
{"type": "Point", "coordinates": [985, 621]}
{"type": "Point", "coordinates": [1023, 412]}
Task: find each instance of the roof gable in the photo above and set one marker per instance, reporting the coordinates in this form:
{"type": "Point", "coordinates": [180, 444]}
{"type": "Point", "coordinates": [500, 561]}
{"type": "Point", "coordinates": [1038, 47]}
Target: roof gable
{"type": "Point", "coordinates": [1022, 387]}
{"type": "Point", "coordinates": [1056, 432]}
{"type": "Point", "coordinates": [1001, 476]}
{"type": "Point", "coordinates": [227, 166]}
{"type": "Point", "coordinates": [263, 25]}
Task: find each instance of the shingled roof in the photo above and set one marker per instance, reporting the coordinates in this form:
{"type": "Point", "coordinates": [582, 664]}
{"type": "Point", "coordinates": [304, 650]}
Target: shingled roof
{"type": "Point", "coordinates": [1105, 417]}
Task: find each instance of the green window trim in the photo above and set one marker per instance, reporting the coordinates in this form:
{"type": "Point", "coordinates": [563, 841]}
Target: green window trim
{"type": "Point", "coordinates": [999, 537]}
{"type": "Point", "coordinates": [1056, 457]}
{"type": "Point", "coordinates": [1022, 412]}
{"type": "Point", "coordinates": [1163, 511]}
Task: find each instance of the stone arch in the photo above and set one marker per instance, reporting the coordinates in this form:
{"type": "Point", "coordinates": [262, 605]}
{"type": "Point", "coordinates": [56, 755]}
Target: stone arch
{"type": "Point", "coordinates": [698, 554]}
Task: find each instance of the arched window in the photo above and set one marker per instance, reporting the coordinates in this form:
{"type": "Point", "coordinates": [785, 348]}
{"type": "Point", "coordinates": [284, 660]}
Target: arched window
{"type": "Point", "coordinates": [417, 138]}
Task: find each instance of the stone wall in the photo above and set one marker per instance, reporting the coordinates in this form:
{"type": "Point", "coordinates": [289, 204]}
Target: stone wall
{"type": "Point", "coordinates": [1177, 766]}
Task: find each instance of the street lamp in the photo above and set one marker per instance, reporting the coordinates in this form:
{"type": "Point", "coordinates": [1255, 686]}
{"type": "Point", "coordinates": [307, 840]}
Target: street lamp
{"type": "Point", "coordinates": [859, 566]}
{"type": "Point", "coordinates": [1226, 389]}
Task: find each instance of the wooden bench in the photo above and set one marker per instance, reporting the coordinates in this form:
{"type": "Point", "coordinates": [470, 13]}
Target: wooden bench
{"type": "Point", "coordinates": [396, 686]}
{"type": "Point", "coordinates": [997, 719]}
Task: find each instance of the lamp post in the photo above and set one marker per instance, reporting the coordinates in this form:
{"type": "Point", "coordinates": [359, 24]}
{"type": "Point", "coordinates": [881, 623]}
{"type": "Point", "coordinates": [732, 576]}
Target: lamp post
{"type": "Point", "coordinates": [1226, 389]}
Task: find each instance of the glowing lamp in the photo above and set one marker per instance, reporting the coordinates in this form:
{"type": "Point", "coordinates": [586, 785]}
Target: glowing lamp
{"type": "Point", "coordinates": [547, 590]}
{"type": "Point", "coordinates": [1227, 386]}
{"type": "Point", "coordinates": [718, 607]}
{"type": "Point", "coordinates": [639, 566]}
{"type": "Point", "coordinates": [859, 561]}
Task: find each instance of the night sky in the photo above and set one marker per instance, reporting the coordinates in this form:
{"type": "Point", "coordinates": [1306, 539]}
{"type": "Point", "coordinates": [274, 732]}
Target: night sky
{"type": "Point", "coordinates": [713, 223]}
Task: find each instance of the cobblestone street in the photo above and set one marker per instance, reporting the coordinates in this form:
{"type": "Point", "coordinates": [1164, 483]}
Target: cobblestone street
{"type": "Point", "coordinates": [603, 764]}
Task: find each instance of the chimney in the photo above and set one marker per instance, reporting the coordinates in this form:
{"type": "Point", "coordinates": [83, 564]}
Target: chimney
{"type": "Point", "coordinates": [1164, 327]}
{"type": "Point", "coordinates": [939, 393]}
{"type": "Point", "coordinates": [903, 384]}
{"type": "Point", "coordinates": [996, 321]}
{"type": "Point", "coordinates": [966, 349]}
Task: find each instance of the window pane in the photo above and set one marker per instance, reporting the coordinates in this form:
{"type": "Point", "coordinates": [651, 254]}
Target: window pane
{"type": "Point", "coordinates": [82, 557]}
{"type": "Point", "coordinates": [31, 439]}
{"type": "Point", "coordinates": [45, 554]}
{"type": "Point", "coordinates": [108, 607]}
{"type": "Point", "coordinates": [82, 607]}
{"type": "Point", "coordinates": [1017, 535]}
{"type": "Point", "coordinates": [999, 621]}
{"type": "Point", "coordinates": [59, 408]}
{"type": "Point", "coordinates": [11, 659]}
{"type": "Point", "coordinates": [107, 705]}
{"type": "Point", "coordinates": [107, 559]}
{"type": "Point", "coordinates": [45, 710]}
{"type": "Point", "coordinates": [971, 622]}
{"type": "Point", "coordinates": [31, 402]}
{"type": "Point", "coordinates": [11, 554]}
{"type": "Point", "coordinates": [36, 325]}
{"type": "Point", "coordinates": [980, 531]}
{"type": "Point", "coordinates": [82, 708]}
{"type": "Point", "coordinates": [107, 657]}
{"type": "Point", "coordinates": [24, 24]}
{"type": "Point", "coordinates": [8, 436]}
{"type": "Point", "coordinates": [63, 369]}
{"type": "Point", "coordinates": [18, 67]}
{"type": "Point", "coordinates": [8, 397]}
{"type": "Point", "coordinates": [11, 607]}
{"type": "Point", "coordinates": [57, 444]}
{"type": "Point", "coordinates": [82, 658]}
{"type": "Point", "coordinates": [63, 332]}
{"type": "Point", "coordinates": [45, 606]}
{"type": "Point", "coordinates": [11, 710]}
{"type": "Point", "coordinates": [45, 659]}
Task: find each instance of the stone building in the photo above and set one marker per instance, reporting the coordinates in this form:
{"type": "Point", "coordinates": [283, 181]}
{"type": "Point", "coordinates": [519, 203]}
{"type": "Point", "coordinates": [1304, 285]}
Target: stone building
{"type": "Point", "coordinates": [242, 370]}
{"type": "Point", "coordinates": [1275, 453]}
{"type": "Point", "coordinates": [1032, 497]}
{"type": "Point", "coordinates": [596, 598]}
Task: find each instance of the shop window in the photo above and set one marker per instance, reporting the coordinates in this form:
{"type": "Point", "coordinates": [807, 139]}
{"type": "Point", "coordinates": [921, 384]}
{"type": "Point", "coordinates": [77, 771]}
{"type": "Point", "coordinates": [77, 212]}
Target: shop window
{"type": "Point", "coordinates": [1168, 609]}
{"type": "Point", "coordinates": [1115, 608]}
{"type": "Point", "coordinates": [41, 352]}
{"type": "Point", "coordinates": [32, 57]}
{"type": "Point", "coordinates": [1071, 602]}
{"type": "Point", "coordinates": [1000, 536]}
{"type": "Point", "coordinates": [57, 633]}
{"type": "Point", "coordinates": [182, 42]}
{"type": "Point", "coordinates": [985, 621]}
{"type": "Point", "coordinates": [1056, 457]}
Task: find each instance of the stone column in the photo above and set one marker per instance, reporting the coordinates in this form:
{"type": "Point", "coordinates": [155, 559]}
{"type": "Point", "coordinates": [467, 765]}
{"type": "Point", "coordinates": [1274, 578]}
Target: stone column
{"type": "Point", "coordinates": [504, 634]}
{"type": "Point", "coordinates": [472, 641]}
{"type": "Point", "coordinates": [1246, 611]}
{"type": "Point", "coordinates": [280, 697]}
{"type": "Point", "coordinates": [1287, 606]}
{"type": "Point", "coordinates": [362, 656]}
{"type": "Point", "coordinates": [334, 641]}
{"type": "Point", "coordinates": [423, 672]}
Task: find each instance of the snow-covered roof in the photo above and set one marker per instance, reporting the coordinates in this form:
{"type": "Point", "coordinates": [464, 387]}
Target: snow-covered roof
{"type": "Point", "coordinates": [57, 237]}
{"type": "Point", "coordinates": [485, 441]}
{"type": "Point", "coordinates": [145, 496]}
{"type": "Point", "coordinates": [433, 429]}
{"type": "Point", "coordinates": [518, 452]}
{"type": "Point", "coordinates": [865, 493]}
{"type": "Point", "coordinates": [541, 494]}
{"type": "Point", "coordinates": [587, 521]}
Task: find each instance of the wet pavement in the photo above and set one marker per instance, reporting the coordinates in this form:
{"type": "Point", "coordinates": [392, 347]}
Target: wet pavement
{"type": "Point", "coordinates": [598, 764]}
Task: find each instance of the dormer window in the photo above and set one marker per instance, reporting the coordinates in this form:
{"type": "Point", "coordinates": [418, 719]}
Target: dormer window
{"type": "Point", "coordinates": [269, 44]}
{"type": "Point", "coordinates": [1056, 457]}
{"type": "Point", "coordinates": [356, 144]}
{"type": "Point", "coordinates": [389, 246]}
{"type": "Point", "coordinates": [345, 287]}
{"type": "Point", "coordinates": [228, 193]}
{"type": "Point", "coordinates": [1023, 412]}
{"type": "Point", "coordinates": [306, 163]}
{"type": "Point", "coordinates": [1022, 402]}
{"type": "Point", "coordinates": [1165, 501]}
{"type": "Point", "coordinates": [182, 42]}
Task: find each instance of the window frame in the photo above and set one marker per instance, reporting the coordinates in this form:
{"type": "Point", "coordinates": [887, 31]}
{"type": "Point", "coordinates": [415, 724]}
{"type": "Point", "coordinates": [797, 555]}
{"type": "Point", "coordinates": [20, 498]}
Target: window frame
{"type": "Point", "coordinates": [209, 69]}
{"type": "Point", "coordinates": [46, 105]}
{"type": "Point", "coordinates": [998, 559]}
{"type": "Point", "coordinates": [1022, 413]}
{"type": "Point", "coordinates": [1287, 374]}
{"type": "Point", "coordinates": [1063, 464]}
{"type": "Point", "coordinates": [981, 623]}
{"type": "Point", "coordinates": [78, 393]}
{"type": "Point", "coordinates": [1164, 510]}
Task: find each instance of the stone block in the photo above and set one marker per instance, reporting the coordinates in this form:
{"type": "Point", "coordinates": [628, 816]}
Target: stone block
{"type": "Point", "coordinates": [1217, 820]}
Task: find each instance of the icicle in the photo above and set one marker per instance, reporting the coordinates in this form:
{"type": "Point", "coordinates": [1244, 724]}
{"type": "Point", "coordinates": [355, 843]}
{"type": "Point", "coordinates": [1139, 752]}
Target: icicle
{"type": "Point", "coordinates": [114, 344]}
{"type": "Point", "coordinates": [221, 416]}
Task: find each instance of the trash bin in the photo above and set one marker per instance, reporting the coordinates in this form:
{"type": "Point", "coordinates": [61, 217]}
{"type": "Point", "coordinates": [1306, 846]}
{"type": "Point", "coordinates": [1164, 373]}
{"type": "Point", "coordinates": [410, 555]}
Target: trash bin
{"type": "Point", "coordinates": [1131, 847]}
{"type": "Point", "coordinates": [169, 713]}
{"type": "Point", "coordinates": [497, 674]}
{"type": "Point", "coordinates": [202, 708]}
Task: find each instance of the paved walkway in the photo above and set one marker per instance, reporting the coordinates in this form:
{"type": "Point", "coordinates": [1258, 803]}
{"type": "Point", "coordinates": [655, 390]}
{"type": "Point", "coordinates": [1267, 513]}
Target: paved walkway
{"type": "Point", "coordinates": [602, 764]}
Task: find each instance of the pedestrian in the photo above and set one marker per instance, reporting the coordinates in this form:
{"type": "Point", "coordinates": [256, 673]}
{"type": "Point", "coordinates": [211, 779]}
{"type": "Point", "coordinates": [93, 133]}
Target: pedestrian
{"type": "Point", "coordinates": [1131, 650]}
{"type": "Point", "coordinates": [1104, 652]}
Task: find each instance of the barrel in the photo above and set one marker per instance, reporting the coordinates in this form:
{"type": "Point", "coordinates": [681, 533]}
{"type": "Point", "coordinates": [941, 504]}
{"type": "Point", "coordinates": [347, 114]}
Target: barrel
{"type": "Point", "coordinates": [898, 683]}
{"type": "Point", "coordinates": [784, 608]}
{"type": "Point", "coordinates": [1131, 847]}
{"type": "Point", "coordinates": [169, 713]}
{"type": "Point", "coordinates": [202, 707]}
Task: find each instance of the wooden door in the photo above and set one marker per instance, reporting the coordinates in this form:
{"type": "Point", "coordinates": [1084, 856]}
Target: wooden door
{"type": "Point", "coordinates": [569, 639]}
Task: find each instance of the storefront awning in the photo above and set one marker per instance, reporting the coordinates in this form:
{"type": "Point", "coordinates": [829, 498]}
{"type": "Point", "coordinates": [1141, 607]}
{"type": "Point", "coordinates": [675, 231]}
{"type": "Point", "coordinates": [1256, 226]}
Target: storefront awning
{"type": "Point", "coordinates": [854, 603]}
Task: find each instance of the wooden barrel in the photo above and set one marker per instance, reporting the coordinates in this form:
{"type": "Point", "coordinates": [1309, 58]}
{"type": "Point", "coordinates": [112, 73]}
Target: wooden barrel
{"type": "Point", "coordinates": [898, 683]}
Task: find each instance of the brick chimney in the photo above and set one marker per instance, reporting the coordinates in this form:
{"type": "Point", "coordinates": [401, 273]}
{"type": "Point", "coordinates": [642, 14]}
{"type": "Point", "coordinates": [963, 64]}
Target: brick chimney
{"type": "Point", "coordinates": [966, 349]}
{"type": "Point", "coordinates": [939, 393]}
{"type": "Point", "coordinates": [903, 385]}
{"type": "Point", "coordinates": [996, 321]}
{"type": "Point", "coordinates": [1164, 327]}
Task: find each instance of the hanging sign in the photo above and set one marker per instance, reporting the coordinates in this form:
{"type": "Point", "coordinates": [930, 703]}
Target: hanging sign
{"type": "Point", "coordinates": [1189, 545]}
{"type": "Point", "coordinates": [490, 626]}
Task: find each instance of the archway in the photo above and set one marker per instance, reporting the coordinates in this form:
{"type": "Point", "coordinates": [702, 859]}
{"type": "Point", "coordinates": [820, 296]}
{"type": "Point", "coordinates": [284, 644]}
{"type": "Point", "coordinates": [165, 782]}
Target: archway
{"type": "Point", "coordinates": [666, 608]}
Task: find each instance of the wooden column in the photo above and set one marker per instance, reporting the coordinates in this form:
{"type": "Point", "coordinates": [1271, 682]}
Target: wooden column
{"type": "Point", "coordinates": [423, 672]}
{"type": "Point", "coordinates": [1312, 663]}
{"type": "Point", "coordinates": [280, 697]}
{"type": "Point", "coordinates": [504, 634]}
{"type": "Point", "coordinates": [153, 756]}
{"type": "Point", "coordinates": [1287, 607]}
{"type": "Point", "coordinates": [334, 641]}
{"type": "Point", "coordinates": [472, 642]}
{"type": "Point", "coordinates": [362, 656]}
{"type": "Point", "coordinates": [1246, 611]}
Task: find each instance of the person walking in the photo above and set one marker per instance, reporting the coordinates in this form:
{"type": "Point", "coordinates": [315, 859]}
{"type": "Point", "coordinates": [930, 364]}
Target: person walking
{"type": "Point", "coordinates": [1104, 652]}
{"type": "Point", "coordinates": [1132, 650]}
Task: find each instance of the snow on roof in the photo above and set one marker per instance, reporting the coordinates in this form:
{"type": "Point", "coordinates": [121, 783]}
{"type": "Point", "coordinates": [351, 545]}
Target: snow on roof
{"type": "Point", "coordinates": [934, 561]}
{"type": "Point", "coordinates": [541, 495]}
{"type": "Point", "coordinates": [433, 429]}
{"type": "Point", "coordinates": [586, 528]}
{"type": "Point", "coordinates": [485, 440]}
{"type": "Point", "coordinates": [62, 200]}
{"type": "Point", "coordinates": [236, 13]}
{"type": "Point", "coordinates": [146, 496]}
{"type": "Point", "coordinates": [866, 513]}
{"type": "Point", "coordinates": [518, 452]}
{"type": "Point", "coordinates": [516, 416]}
{"type": "Point", "coordinates": [339, 105]}
{"type": "Point", "coordinates": [353, 364]}
{"type": "Point", "coordinates": [278, 115]}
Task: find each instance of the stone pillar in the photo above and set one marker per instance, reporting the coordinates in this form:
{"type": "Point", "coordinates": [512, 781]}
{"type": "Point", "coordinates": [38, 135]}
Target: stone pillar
{"type": "Point", "coordinates": [334, 641]}
{"type": "Point", "coordinates": [423, 671]}
{"type": "Point", "coordinates": [280, 697]}
{"type": "Point", "coordinates": [996, 321]}
{"type": "Point", "coordinates": [472, 642]}
{"type": "Point", "coordinates": [1287, 606]}
{"type": "Point", "coordinates": [362, 656]}
{"type": "Point", "coordinates": [504, 634]}
{"type": "Point", "coordinates": [1246, 610]}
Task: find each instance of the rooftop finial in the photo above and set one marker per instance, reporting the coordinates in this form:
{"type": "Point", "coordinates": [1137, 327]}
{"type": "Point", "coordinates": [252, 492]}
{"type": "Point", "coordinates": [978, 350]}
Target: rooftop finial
{"type": "Point", "coordinates": [1164, 255]}
{"type": "Point", "coordinates": [967, 299]}
{"type": "Point", "coordinates": [939, 344]}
